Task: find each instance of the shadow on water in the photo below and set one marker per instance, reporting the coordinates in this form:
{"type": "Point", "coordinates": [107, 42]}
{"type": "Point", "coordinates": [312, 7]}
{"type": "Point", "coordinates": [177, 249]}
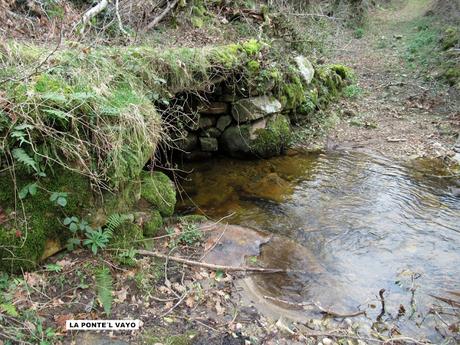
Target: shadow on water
{"type": "Point", "coordinates": [367, 222]}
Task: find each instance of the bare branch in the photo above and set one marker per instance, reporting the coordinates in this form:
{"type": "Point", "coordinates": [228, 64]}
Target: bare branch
{"type": "Point", "coordinates": [160, 17]}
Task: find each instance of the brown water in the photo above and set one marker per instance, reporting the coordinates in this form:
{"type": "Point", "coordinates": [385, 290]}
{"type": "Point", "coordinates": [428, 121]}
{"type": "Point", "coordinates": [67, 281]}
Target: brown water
{"type": "Point", "coordinates": [366, 222]}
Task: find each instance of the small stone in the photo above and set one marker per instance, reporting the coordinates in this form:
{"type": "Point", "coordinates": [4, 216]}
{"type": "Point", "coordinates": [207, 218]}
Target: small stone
{"type": "Point", "coordinates": [223, 122]}
{"type": "Point", "coordinates": [397, 36]}
{"type": "Point", "coordinates": [327, 341]}
{"type": "Point", "coordinates": [209, 144]}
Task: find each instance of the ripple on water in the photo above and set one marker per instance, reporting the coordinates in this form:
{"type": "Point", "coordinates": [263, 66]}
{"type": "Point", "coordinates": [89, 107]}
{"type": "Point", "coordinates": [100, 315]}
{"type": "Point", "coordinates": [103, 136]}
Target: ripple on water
{"type": "Point", "coordinates": [368, 222]}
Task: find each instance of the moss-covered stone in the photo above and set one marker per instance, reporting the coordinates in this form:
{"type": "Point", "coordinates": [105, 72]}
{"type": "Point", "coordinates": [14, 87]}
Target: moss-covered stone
{"type": "Point", "coordinates": [24, 234]}
{"type": "Point", "coordinates": [274, 139]}
{"type": "Point", "coordinates": [153, 224]}
{"type": "Point", "coordinates": [192, 219]}
{"type": "Point", "coordinates": [265, 137]}
{"type": "Point", "coordinates": [159, 191]}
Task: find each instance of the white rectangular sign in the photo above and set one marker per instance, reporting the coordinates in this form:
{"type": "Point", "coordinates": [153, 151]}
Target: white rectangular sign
{"type": "Point", "coordinates": [102, 325]}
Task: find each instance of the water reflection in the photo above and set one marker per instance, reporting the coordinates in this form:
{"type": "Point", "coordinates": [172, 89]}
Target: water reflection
{"type": "Point", "coordinates": [366, 220]}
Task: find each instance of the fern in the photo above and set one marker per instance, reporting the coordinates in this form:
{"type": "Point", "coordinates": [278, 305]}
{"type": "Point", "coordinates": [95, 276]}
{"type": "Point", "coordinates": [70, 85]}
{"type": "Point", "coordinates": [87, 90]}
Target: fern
{"type": "Point", "coordinates": [115, 220]}
{"type": "Point", "coordinates": [22, 157]}
{"type": "Point", "coordinates": [104, 285]}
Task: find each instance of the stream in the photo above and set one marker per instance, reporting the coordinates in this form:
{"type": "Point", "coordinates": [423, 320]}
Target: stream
{"type": "Point", "coordinates": [363, 223]}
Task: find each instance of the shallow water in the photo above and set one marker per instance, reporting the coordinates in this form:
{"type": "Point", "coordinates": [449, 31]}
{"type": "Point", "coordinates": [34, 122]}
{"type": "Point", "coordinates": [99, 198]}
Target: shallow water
{"type": "Point", "coordinates": [368, 223]}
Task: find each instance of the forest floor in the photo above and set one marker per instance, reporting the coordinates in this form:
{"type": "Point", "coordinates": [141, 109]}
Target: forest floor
{"type": "Point", "coordinates": [399, 108]}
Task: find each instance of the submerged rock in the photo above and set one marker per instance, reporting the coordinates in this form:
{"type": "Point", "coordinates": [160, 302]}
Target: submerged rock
{"type": "Point", "coordinates": [249, 109]}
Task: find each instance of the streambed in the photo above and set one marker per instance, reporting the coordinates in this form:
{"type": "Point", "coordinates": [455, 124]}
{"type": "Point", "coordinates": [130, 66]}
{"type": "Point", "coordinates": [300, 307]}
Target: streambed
{"type": "Point", "coordinates": [368, 223]}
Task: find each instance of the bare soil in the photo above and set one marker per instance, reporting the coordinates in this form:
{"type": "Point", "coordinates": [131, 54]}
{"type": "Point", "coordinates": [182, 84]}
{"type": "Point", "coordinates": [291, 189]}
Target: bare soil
{"type": "Point", "coordinates": [402, 112]}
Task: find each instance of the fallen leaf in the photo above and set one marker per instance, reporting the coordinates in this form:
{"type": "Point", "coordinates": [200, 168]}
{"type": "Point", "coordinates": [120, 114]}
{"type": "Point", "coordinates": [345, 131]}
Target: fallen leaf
{"type": "Point", "coordinates": [65, 263]}
{"type": "Point", "coordinates": [33, 279]}
{"type": "Point", "coordinates": [61, 320]}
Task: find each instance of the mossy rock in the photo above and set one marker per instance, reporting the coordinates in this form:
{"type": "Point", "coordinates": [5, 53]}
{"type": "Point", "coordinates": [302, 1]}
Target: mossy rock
{"type": "Point", "coordinates": [23, 239]}
{"type": "Point", "coordinates": [159, 191]}
{"type": "Point", "coordinates": [192, 219]}
{"type": "Point", "coordinates": [263, 138]}
{"type": "Point", "coordinates": [274, 139]}
{"type": "Point", "coordinates": [153, 224]}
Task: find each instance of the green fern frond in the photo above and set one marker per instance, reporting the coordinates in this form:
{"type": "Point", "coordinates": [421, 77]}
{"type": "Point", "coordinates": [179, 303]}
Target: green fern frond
{"type": "Point", "coordinates": [115, 220]}
{"type": "Point", "coordinates": [22, 157]}
{"type": "Point", "coordinates": [104, 285]}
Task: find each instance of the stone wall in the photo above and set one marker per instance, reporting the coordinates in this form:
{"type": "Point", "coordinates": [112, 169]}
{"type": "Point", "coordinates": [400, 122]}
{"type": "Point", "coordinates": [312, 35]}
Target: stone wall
{"type": "Point", "coordinates": [239, 123]}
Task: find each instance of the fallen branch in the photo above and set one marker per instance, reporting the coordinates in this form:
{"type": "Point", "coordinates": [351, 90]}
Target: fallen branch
{"type": "Point", "coordinates": [212, 266]}
{"type": "Point", "coordinates": [321, 309]}
{"type": "Point", "coordinates": [92, 12]}
{"type": "Point", "coordinates": [160, 17]}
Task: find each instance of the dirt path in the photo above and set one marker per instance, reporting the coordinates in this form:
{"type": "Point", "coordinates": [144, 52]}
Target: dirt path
{"type": "Point", "coordinates": [402, 110]}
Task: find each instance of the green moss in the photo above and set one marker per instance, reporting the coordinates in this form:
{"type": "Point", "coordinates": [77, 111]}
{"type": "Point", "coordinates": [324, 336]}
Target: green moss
{"type": "Point", "coordinates": [153, 224]}
{"type": "Point", "coordinates": [22, 239]}
{"type": "Point", "coordinates": [192, 219]}
{"type": "Point", "coordinates": [293, 93]}
{"type": "Point", "coordinates": [253, 66]}
{"type": "Point", "coordinates": [252, 47]}
{"type": "Point", "coordinates": [159, 191]}
{"type": "Point", "coordinates": [274, 139]}
{"type": "Point", "coordinates": [197, 22]}
{"type": "Point", "coordinates": [450, 38]}
{"type": "Point", "coordinates": [346, 73]}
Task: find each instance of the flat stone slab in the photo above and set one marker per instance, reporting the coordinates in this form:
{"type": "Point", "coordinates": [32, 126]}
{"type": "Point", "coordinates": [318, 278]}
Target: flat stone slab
{"type": "Point", "coordinates": [214, 108]}
{"type": "Point", "coordinates": [250, 109]}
